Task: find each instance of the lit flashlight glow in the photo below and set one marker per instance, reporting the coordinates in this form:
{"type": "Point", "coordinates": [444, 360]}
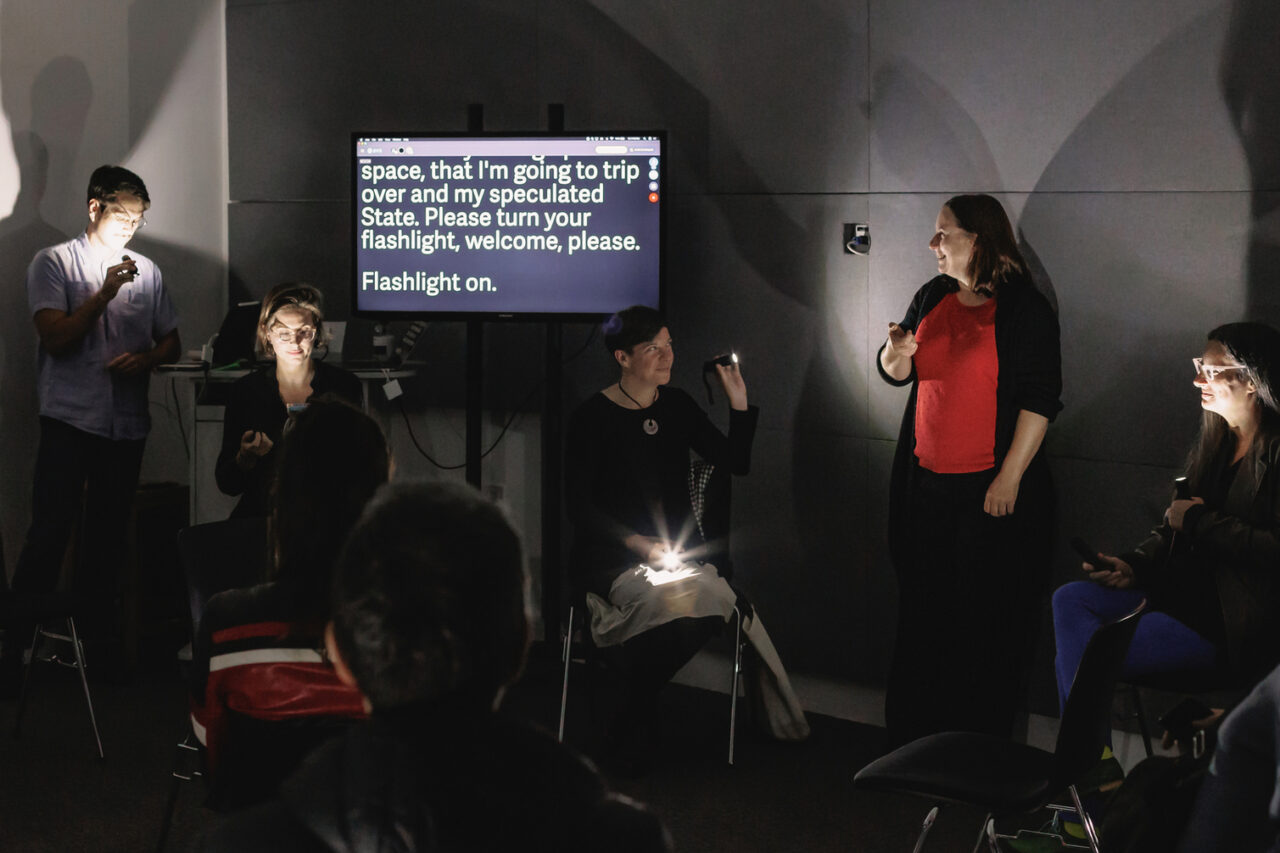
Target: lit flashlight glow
{"type": "Point", "coordinates": [666, 576]}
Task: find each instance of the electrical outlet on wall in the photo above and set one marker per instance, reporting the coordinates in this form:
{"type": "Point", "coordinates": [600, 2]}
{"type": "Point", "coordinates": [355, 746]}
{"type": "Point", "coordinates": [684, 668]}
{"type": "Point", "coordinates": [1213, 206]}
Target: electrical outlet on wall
{"type": "Point", "coordinates": [857, 238]}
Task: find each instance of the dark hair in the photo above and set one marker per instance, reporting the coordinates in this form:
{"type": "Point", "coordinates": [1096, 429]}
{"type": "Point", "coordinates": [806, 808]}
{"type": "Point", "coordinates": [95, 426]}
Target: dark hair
{"type": "Point", "coordinates": [430, 598]}
{"type": "Point", "coordinates": [333, 457]}
{"type": "Point", "coordinates": [996, 260]}
{"type": "Point", "coordinates": [1256, 346]}
{"type": "Point", "coordinates": [630, 326]}
{"type": "Point", "coordinates": [299, 295]}
{"type": "Point", "coordinates": [107, 181]}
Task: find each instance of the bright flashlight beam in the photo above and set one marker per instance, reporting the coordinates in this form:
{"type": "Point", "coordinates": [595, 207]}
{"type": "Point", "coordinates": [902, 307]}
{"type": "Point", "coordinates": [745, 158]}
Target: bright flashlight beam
{"type": "Point", "coordinates": [665, 576]}
{"type": "Point", "coordinates": [671, 560]}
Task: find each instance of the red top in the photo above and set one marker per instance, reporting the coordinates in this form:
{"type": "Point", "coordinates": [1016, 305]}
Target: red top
{"type": "Point", "coordinates": [957, 370]}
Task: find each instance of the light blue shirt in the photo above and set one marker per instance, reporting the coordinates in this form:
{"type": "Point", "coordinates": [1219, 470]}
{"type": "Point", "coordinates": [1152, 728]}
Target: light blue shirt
{"type": "Point", "coordinates": [76, 388]}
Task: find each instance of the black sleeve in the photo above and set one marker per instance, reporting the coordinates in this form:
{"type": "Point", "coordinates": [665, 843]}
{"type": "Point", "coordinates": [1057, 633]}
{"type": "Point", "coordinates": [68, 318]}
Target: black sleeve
{"type": "Point", "coordinates": [1039, 366]}
{"type": "Point", "coordinates": [733, 450]}
{"type": "Point", "coordinates": [920, 305]}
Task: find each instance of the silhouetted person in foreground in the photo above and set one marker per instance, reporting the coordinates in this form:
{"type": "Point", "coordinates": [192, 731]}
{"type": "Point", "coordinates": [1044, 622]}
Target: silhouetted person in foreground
{"type": "Point", "coordinates": [431, 624]}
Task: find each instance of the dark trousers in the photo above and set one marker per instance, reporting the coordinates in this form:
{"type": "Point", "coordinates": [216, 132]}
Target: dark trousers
{"type": "Point", "coordinates": [968, 610]}
{"type": "Point", "coordinates": [77, 471]}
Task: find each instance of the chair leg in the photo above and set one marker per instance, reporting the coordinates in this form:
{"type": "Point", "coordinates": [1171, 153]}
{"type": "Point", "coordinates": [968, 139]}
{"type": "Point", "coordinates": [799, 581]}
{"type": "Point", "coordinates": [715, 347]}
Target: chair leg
{"type": "Point", "coordinates": [84, 682]}
{"type": "Point", "coordinates": [186, 752]}
{"type": "Point", "coordinates": [733, 687]}
{"type": "Point", "coordinates": [565, 655]}
{"type": "Point", "coordinates": [924, 829]}
{"type": "Point", "coordinates": [1141, 714]}
{"type": "Point", "coordinates": [987, 836]}
{"type": "Point", "coordinates": [26, 680]}
{"type": "Point", "coordinates": [1085, 820]}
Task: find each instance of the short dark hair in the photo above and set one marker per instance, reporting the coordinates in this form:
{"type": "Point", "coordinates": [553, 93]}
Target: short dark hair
{"type": "Point", "coordinates": [332, 459]}
{"type": "Point", "coordinates": [630, 326]}
{"type": "Point", "coordinates": [430, 598]}
{"type": "Point", "coordinates": [107, 181]}
{"type": "Point", "coordinates": [996, 259]}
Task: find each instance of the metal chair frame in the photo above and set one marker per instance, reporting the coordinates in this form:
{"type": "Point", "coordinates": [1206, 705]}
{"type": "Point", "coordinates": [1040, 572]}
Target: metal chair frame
{"type": "Point", "coordinates": [735, 684]}
{"type": "Point", "coordinates": [933, 766]}
{"type": "Point", "coordinates": [79, 663]}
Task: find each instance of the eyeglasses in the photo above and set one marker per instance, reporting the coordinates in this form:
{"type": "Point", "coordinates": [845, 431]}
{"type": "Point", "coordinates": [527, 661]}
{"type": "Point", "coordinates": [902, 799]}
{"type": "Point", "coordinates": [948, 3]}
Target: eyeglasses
{"type": "Point", "coordinates": [126, 221]}
{"type": "Point", "coordinates": [285, 335]}
{"type": "Point", "coordinates": [1211, 371]}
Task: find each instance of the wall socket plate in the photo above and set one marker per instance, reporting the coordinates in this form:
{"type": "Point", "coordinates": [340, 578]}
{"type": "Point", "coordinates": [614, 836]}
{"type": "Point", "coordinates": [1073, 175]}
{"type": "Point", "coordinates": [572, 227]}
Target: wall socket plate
{"type": "Point", "coordinates": [857, 238]}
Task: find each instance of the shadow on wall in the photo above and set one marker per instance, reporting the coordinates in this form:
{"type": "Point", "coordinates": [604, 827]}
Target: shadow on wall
{"type": "Point", "coordinates": [60, 97]}
{"type": "Point", "coordinates": [808, 605]}
{"type": "Point", "coordinates": [1250, 78]}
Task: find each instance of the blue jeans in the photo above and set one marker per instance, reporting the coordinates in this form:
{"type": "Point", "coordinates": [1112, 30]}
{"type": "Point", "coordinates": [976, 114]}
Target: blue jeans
{"type": "Point", "coordinates": [1160, 644]}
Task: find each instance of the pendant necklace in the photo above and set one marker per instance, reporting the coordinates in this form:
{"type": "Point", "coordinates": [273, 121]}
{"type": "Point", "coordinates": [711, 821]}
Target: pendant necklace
{"type": "Point", "coordinates": [649, 425]}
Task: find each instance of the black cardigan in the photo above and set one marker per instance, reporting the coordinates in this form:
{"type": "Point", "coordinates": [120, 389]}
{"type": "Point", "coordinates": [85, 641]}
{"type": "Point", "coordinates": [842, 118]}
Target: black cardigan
{"type": "Point", "coordinates": [1030, 365]}
{"type": "Point", "coordinates": [254, 404]}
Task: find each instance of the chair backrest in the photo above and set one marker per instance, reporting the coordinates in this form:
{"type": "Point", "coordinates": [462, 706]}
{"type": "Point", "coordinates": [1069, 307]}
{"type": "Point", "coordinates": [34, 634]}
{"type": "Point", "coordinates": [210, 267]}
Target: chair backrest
{"type": "Point", "coordinates": [1086, 717]}
{"type": "Point", "coordinates": [709, 492]}
{"type": "Point", "coordinates": [221, 555]}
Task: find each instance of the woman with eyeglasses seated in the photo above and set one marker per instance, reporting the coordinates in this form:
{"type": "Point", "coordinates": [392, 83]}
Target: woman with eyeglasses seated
{"type": "Point", "coordinates": [1211, 570]}
{"type": "Point", "coordinates": [290, 327]}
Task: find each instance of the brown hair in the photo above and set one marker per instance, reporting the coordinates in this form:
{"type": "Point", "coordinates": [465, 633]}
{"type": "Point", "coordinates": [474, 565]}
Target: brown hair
{"type": "Point", "coordinates": [996, 260]}
{"type": "Point", "coordinates": [1256, 347]}
{"type": "Point", "coordinates": [299, 295]}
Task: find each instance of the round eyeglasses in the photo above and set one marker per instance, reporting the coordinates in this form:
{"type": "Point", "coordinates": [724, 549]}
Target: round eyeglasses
{"type": "Point", "coordinates": [285, 335]}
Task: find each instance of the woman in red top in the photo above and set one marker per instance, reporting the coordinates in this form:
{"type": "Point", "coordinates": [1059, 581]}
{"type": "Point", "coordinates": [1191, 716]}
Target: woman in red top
{"type": "Point", "coordinates": [970, 499]}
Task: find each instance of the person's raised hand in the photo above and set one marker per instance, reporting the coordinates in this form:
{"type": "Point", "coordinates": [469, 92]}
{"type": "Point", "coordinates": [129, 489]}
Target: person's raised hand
{"type": "Point", "coordinates": [117, 276]}
{"type": "Point", "coordinates": [902, 341]}
{"type": "Point", "coordinates": [734, 386]}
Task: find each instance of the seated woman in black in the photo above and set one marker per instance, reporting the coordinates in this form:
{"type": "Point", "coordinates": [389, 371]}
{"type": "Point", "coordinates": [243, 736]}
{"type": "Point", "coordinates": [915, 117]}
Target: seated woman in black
{"type": "Point", "coordinates": [627, 489]}
{"type": "Point", "coordinates": [290, 326]}
{"type": "Point", "coordinates": [259, 652]}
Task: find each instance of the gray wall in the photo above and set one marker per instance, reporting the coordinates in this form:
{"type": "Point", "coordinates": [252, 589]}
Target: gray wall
{"type": "Point", "coordinates": [1130, 141]}
{"type": "Point", "coordinates": [1117, 134]}
{"type": "Point", "coordinates": [136, 82]}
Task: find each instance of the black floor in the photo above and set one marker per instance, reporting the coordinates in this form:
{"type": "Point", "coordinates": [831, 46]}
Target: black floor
{"type": "Point", "coordinates": [56, 796]}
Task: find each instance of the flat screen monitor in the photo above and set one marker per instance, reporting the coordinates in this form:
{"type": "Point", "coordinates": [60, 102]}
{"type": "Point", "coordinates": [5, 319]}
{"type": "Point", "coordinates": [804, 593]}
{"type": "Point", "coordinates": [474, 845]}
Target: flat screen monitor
{"type": "Point", "coordinates": [505, 227]}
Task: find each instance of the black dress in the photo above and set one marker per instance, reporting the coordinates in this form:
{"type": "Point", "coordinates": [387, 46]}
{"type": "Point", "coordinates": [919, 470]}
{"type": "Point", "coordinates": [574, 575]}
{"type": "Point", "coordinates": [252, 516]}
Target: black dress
{"type": "Point", "coordinates": [254, 404]}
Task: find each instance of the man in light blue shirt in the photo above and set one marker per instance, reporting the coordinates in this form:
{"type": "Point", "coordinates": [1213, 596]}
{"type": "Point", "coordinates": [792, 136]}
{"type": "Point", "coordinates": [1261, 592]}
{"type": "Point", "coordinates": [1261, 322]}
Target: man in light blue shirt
{"type": "Point", "coordinates": [104, 320]}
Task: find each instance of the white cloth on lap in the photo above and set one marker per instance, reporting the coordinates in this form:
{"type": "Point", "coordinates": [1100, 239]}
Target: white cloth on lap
{"type": "Point", "coordinates": [643, 598]}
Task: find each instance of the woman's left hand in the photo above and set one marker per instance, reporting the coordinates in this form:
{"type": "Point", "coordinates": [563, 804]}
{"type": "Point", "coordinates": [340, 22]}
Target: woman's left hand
{"type": "Point", "coordinates": [734, 388]}
{"type": "Point", "coordinates": [1002, 494]}
{"type": "Point", "coordinates": [1178, 511]}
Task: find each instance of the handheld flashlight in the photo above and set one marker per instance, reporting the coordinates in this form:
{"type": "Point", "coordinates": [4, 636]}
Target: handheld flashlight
{"type": "Point", "coordinates": [709, 368]}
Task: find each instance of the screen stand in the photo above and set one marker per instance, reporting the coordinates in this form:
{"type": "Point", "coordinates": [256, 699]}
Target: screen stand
{"type": "Point", "coordinates": [552, 456]}
{"type": "Point", "coordinates": [475, 354]}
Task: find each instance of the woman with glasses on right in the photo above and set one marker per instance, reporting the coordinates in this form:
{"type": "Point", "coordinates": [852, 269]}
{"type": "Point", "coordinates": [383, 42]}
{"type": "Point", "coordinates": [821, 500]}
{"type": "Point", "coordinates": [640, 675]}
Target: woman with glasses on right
{"type": "Point", "coordinates": [1211, 570]}
{"type": "Point", "coordinates": [290, 327]}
